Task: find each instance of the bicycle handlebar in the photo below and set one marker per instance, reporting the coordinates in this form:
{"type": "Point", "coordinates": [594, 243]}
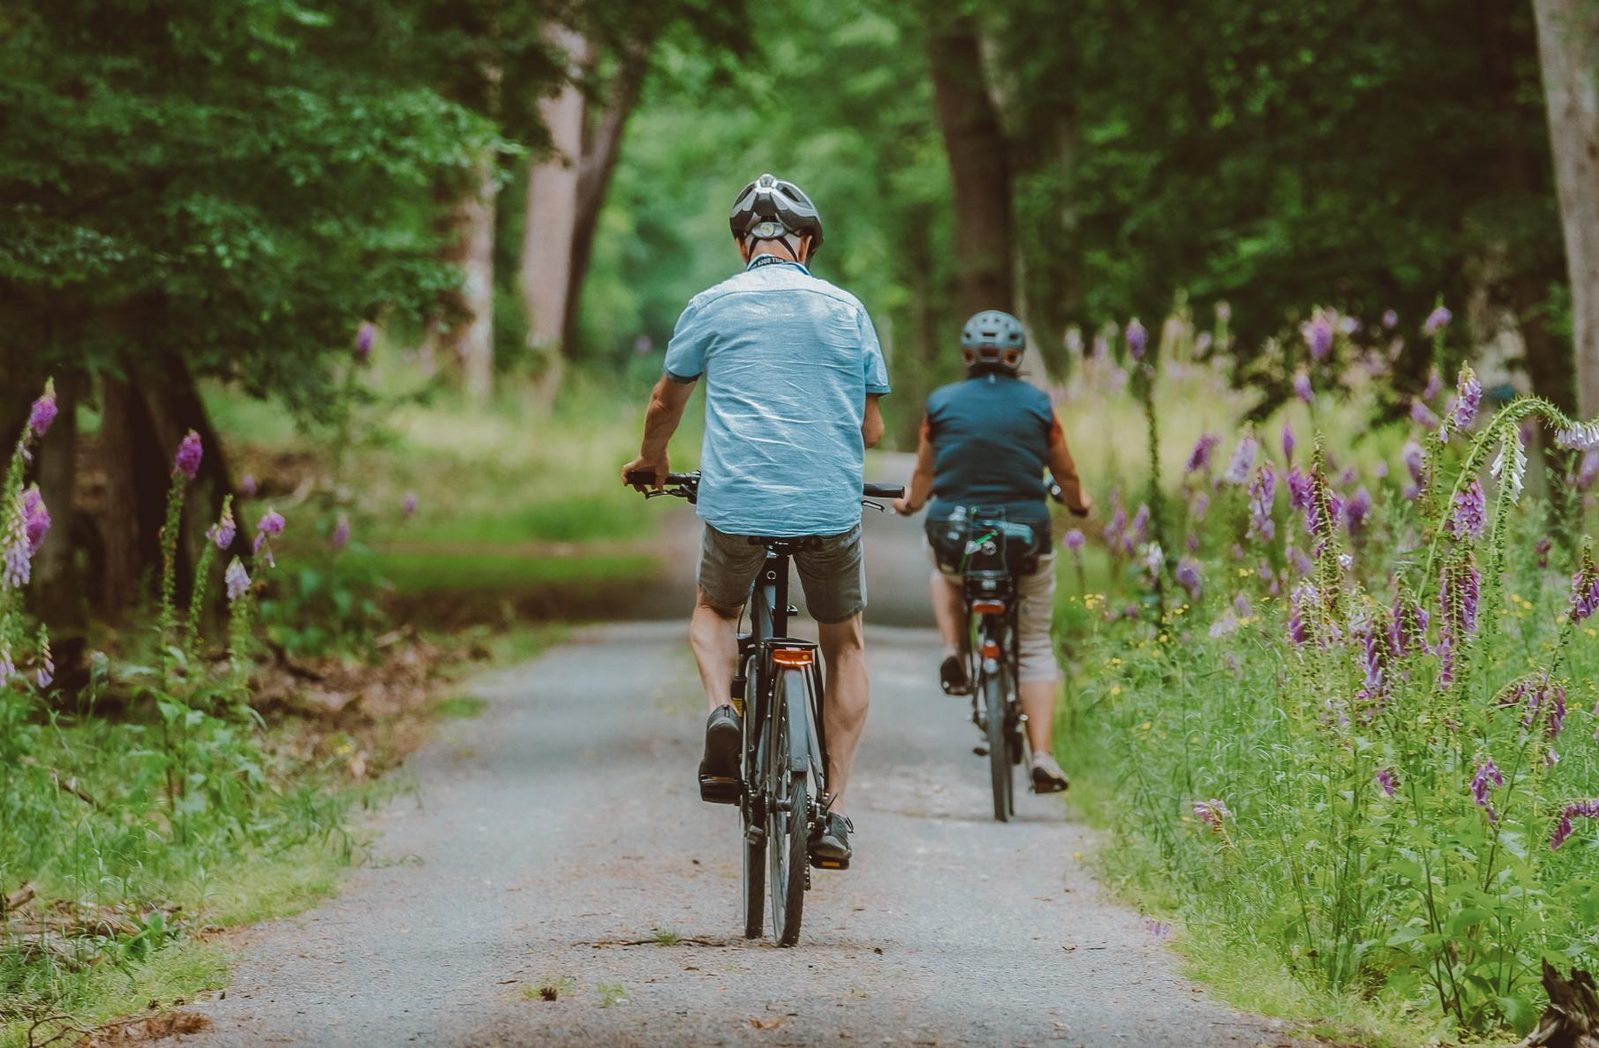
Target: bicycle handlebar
{"type": "Point", "coordinates": [687, 483]}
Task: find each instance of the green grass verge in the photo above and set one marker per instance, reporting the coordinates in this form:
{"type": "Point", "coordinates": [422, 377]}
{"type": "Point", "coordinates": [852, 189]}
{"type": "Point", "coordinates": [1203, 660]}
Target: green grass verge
{"type": "Point", "coordinates": [432, 572]}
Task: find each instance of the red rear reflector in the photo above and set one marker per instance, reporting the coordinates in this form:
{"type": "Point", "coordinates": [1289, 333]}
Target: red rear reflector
{"type": "Point", "coordinates": [988, 607]}
{"type": "Point", "coordinates": [990, 650]}
{"type": "Point", "coordinates": [793, 656]}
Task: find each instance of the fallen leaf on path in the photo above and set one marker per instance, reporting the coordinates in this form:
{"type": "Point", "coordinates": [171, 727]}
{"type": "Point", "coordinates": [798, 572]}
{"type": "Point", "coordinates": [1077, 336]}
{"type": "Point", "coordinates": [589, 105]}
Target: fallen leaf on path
{"type": "Point", "coordinates": [767, 1024]}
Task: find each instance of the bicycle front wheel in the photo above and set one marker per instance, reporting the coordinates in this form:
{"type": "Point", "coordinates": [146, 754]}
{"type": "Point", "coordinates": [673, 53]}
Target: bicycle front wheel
{"type": "Point", "coordinates": [999, 746]}
{"type": "Point", "coordinates": [788, 805]}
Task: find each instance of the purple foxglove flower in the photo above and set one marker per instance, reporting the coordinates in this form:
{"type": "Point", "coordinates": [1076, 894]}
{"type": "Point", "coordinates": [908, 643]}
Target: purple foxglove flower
{"type": "Point", "coordinates": [1289, 443]}
{"type": "Point", "coordinates": [1187, 576]}
{"type": "Point", "coordinates": [1422, 415]}
{"type": "Point", "coordinates": [1380, 470]}
{"type": "Point", "coordinates": [1137, 339]}
{"type": "Point", "coordinates": [1356, 510]}
{"type": "Point", "coordinates": [341, 532]}
{"type": "Point", "coordinates": [1415, 460]}
{"type": "Point", "coordinates": [1486, 778]}
{"type": "Point", "coordinates": [1074, 540]}
{"type": "Point", "coordinates": [45, 675]}
{"type": "Point", "coordinates": [1298, 603]}
{"type": "Point", "coordinates": [1243, 461]}
{"type": "Point", "coordinates": [269, 526]}
{"type": "Point", "coordinates": [1348, 476]}
{"type": "Point", "coordinates": [1407, 629]}
{"type": "Point", "coordinates": [1388, 780]}
{"type": "Point", "coordinates": [1139, 529]}
{"type": "Point", "coordinates": [1469, 516]}
{"type": "Point", "coordinates": [1588, 471]}
{"type": "Point", "coordinates": [1302, 388]}
{"type": "Point", "coordinates": [224, 531]}
{"type": "Point", "coordinates": [1468, 396]}
{"type": "Point", "coordinates": [187, 460]}
{"type": "Point", "coordinates": [1200, 504]}
{"type": "Point", "coordinates": [1262, 498]}
{"type": "Point", "coordinates": [410, 503]}
{"type": "Point", "coordinates": [1116, 527]}
{"type": "Point", "coordinates": [1202, 343]}
{"type": "Point", "coordinates": [16, 564]}
{"type": "Point", "coordinates": [1191, 542]}
{"type": "Point", "coordinates": [1374, 659]}
{"type": "Point", "coordinates": [35, 518]}
{"type": "Point", "coordinates": [1318, 335]}
{"type": "Point", "coordinates": [1300, 489]}
{"type": "Point", "coordinates": [1300, 560]}
{"type": "Point", "coordinates": [1542, 548]}
{"type": "Point", "coordinates": [1390, 319]}
{"type": "Point", "coordinates": [1224, 312]}
{"type": "Point", "coordinates": [1154, 558]}
{"type": "Point", "coordinates": [248, 486]}
{"type": "Point", "coordinates": [1199, 458]}
{"type": "Point", "coordinates": [1212, 813]}
{"type": "Point", "coordinates": [1584, 593]}
{"type": "Point", "coordinates": [44, 410]}
{"type": "Point", "coordinates": [1242, 606]}
{"type": "Point", "coordinates": [1435, 385]}
{"type": "Point", "coordinates": [1579, 810]}
{"type": "Point", "coordinates": [237, 579]}
{"type": "Point", "coordinates": [365, 335]}
{"type": "Point", "coordinates": [1436, 321]}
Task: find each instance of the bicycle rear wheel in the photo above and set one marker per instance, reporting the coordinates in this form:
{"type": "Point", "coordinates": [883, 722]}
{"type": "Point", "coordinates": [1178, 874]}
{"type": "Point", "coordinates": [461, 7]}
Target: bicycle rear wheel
{"type": "Point", "coordinates": [754, 820]}
{"type": "Point", "coordinates": [999, 746]}
{"type": "Point", "coordinates": [788, 805]}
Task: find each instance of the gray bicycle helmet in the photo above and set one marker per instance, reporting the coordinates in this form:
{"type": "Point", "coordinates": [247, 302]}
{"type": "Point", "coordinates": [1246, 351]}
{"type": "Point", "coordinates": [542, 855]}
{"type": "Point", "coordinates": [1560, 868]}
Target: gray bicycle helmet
{"type": "Point", "coordinates": [771, 209]}
{"type": "Point", "coordinates": [993, 340]}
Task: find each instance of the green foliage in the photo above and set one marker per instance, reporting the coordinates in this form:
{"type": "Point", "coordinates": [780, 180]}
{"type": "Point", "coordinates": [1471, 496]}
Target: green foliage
{"type": "Point", "coordinates": [221, 182]}
{"type": "Point", "coordinates": [1396, 750]}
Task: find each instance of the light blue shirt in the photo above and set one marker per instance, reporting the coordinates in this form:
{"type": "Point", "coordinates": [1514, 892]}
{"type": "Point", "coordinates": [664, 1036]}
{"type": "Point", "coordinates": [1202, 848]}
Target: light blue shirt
{"type": "Point", "coordinates": [788, 361]}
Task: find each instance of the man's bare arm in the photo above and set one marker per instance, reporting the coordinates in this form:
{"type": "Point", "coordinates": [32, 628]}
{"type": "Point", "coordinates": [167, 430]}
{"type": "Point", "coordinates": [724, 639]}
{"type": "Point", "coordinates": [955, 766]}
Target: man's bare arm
{"type": "Point", "coordinates": [661, 420]}
{"type": "Point", "coordinates": [1065, 471]}
{"type": "Point", "coordinates": [921, 485]}
{"type": "Point", "coordinates": [872, 425]}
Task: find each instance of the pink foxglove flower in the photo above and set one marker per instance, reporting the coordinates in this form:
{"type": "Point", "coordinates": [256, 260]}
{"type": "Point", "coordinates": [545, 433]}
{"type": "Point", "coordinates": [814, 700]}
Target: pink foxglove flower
{"type": "Point", "coordinates": [341, 532]}
{"type": "Point", "coordinates": [1212, 813]}
{"type": "Point", "coordinates": [1199, 458]}
{"type": "Point", "coordinates": [410, 503]}
{"type": "Point", "coordinates": [1318, 333]}
{"type": "Point", "coordinates": [365, 335]}
{"type": "Point", "coordinates": [1436, 321]}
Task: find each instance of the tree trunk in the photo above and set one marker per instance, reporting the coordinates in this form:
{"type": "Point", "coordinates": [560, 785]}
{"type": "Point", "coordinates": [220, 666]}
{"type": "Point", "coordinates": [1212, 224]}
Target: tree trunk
{"type": "Point", "coordinates": [134, 490]}
{"type": "Point", "coordinates": [979, 167]}
{"type": "Point", "coordinates": [1568, 45]}
{"type": "Point", "coordinates": [470, 339]}
{"type": "Point", "coordinates": [552, 206]}
{"type": "Point", "coordinates": [594, 180]}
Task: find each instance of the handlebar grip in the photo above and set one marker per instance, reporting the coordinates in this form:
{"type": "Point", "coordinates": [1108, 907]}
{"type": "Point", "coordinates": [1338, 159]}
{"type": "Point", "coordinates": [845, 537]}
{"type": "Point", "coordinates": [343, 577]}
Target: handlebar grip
{"type": "Point", "coordinates": [641, 478]}
{"type": "Point", "coordinates": [883, 491]}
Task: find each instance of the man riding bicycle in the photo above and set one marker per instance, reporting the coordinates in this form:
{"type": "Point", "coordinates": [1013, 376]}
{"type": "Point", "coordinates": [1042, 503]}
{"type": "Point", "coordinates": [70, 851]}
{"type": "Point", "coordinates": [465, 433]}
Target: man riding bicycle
{"type": "Point", "coordinates": [793, 374]}
{"type": "Point", "coordinates": [986, 442]}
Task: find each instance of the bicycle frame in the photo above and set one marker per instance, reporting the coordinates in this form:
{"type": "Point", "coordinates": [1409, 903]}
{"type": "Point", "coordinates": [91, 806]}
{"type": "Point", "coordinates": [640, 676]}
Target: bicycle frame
{"type": "Point", "coordinates": [769, 617]}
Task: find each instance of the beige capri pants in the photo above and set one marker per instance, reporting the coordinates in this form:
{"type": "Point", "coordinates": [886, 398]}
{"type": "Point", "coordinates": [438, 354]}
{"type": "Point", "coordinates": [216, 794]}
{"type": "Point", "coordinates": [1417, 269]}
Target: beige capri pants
{"type": "Point", "coordinates": [1034, 615]}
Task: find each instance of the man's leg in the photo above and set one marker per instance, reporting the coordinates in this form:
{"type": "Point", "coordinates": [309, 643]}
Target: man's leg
{"type": "Point", "coordinates": [1038, 674]}
{"type": "Point", "coordinates": [947, 610]}
{"type": "Point", "coordinates": [846, 697]}
{"type": "Point", "coordinates": [712, 633]}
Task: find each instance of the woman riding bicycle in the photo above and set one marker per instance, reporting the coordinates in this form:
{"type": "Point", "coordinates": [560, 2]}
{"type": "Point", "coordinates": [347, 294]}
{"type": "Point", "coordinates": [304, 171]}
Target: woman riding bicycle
{"type": "Point", "coordinates": [985, 443]}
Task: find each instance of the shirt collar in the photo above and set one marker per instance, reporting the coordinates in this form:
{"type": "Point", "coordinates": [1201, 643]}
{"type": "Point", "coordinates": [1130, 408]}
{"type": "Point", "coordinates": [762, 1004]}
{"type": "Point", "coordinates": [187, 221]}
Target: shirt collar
{"type": "Point", "coordinates": [769, 260]}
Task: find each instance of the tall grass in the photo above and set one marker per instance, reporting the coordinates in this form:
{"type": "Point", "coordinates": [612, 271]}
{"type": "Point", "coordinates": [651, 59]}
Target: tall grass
{"type": "Point", "coordinates": [1360, 756]}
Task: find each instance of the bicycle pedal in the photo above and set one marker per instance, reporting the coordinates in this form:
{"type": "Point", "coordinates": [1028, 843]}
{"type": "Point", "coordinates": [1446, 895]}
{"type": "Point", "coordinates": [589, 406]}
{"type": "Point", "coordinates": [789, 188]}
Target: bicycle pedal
{"type": "Point", "coordinates": [829, 864]}
{"type": "Point", "coordinates": [717, 790]}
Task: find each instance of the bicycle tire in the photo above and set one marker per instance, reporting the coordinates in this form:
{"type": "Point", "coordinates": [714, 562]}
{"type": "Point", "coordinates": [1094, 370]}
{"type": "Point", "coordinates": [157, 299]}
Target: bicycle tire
{"type": "Point", "coordinates": [787, 808]}
{"type": "Point", "coordinates": [999, 749]}
{"type": "Point", "coordinates": [752, 819]}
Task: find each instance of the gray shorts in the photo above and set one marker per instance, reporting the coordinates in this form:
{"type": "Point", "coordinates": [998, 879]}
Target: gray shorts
{"type": "Point", "coordinates": [832, 575]}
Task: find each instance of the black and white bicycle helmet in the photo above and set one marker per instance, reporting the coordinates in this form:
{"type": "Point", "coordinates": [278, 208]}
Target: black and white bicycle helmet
{"type": "Point", "coordinates": [993, 340]}
{"type": "Point", "coordinates": [771, 209]}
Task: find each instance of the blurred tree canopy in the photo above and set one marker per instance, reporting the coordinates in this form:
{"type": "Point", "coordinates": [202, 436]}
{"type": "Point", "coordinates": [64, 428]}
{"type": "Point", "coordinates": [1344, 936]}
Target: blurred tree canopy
{"type": "Point", "coordinates": [1349, 153]}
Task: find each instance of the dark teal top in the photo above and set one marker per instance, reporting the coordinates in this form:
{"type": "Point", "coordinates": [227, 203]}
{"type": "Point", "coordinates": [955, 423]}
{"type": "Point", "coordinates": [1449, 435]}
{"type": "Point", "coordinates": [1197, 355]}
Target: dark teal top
{"type": "Point", "coordinates": [991, 437]}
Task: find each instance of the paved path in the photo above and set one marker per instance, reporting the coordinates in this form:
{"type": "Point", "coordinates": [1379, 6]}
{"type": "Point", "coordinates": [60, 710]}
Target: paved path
{"type": "Point", "coordinates": [555, 838]}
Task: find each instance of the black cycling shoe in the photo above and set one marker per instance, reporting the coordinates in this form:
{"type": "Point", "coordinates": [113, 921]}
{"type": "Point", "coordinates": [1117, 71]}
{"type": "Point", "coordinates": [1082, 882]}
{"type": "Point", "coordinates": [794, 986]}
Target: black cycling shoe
{"type": "Point", "coordinates": [829, 843]}
{"type": "Point", "coordinates": [952, 676]}
{"type": "Point", "coordinates": [719, 768]}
